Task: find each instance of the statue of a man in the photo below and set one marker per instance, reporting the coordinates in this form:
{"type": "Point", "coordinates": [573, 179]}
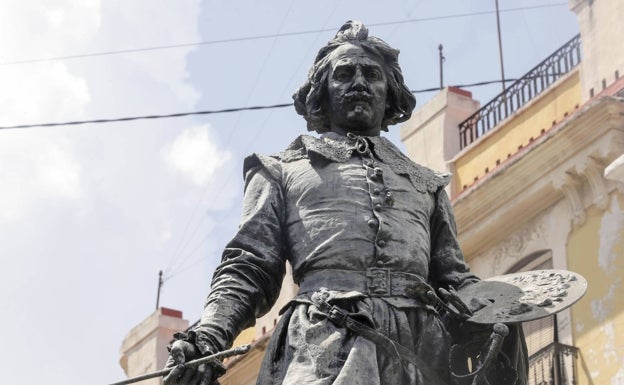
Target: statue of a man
{"type": "Point", "coordinates": [369, 234]}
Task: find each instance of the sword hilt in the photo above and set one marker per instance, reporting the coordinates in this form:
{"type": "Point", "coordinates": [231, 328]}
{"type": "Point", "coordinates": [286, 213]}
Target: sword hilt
{"type": "Point", "coordinates": [493, 347]}
{"type": "Point", "coordinates": [489, 354]}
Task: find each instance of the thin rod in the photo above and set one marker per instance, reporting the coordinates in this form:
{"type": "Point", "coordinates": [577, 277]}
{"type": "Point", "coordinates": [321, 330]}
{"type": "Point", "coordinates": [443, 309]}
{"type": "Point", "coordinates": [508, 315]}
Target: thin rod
{"type": "Point", "coordinates": [191, 364]}
{"type": "Point", "coordinates": [441, 66]}
{"type": "Point", "coordinates": [500, 45]}
{"type": "Point", "coordinates": [160, 283]}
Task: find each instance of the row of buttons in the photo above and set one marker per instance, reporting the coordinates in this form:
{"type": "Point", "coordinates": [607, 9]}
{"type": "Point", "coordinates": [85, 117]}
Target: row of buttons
{"type": "Point", "coordinates": [375, 177]}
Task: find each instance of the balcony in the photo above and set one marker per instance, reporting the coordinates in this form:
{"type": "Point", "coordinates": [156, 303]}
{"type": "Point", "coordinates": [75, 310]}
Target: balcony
{"type": "Point", "coordinates": [555, 364]}
{"type": "Point", "coordinates": [521, 92]}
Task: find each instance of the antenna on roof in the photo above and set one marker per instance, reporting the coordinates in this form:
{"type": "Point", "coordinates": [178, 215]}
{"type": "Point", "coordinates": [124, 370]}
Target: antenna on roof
{"type": "Point", "coordinates": [500, 46]}
{"type": "Point", "coordinates": [160, 283]}
{"type": "Point", "coordinates": [442, 58]}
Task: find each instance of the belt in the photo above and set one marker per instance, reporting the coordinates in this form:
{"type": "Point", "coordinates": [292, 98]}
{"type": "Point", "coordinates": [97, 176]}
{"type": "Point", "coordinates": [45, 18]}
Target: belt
{"type": "Point", "coordinates": [376, 282]}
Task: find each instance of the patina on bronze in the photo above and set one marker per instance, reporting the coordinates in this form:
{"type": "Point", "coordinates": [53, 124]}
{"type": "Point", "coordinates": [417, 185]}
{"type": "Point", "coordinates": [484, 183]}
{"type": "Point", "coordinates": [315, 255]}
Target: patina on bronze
{"type": "Point", "coordinates": [364, 227]}
{"type": "Point", "coordinates": [484, 364]}
{"type": "Point", "coordinates": [217, 357]}
{"type": "Point", "coordinates": [525, 296]}
{"type": "Point", "coordinates": [506, 300]}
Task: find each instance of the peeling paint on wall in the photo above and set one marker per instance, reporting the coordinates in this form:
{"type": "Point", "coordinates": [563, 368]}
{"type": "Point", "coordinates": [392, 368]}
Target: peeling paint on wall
{"type": "Point", "coordinates": [618, 379]}
{"type": "Point", "coordinates": [609, 353]}
{"type": "Point", "coordinates": [602, 308]}
{"type": "Point", "coordinates": [596, 250]}
{"type": "Point", "coordinates": [610, 230]}
{"type": "Point", "coordinates": [611, 227]}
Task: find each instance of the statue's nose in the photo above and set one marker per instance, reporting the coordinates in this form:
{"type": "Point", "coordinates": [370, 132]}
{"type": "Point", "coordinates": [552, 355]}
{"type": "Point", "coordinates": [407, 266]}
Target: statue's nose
{"type": "Point", "coordinates": [359, 81]}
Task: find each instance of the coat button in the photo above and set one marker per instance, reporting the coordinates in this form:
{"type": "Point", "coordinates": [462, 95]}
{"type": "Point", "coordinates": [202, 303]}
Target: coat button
{"type": "Point", "coordinates": [372, 223]}
{"type": "Point", "coordinates": [376, 191]}
{"type": "Point", "coordinates": [378, 171]}
{"type": "Point", "coordinates": [377, 207]}
{"type": "Point", "coordinates": [379, 263]}
{"type": "Point", "coordinates": [381, 243]}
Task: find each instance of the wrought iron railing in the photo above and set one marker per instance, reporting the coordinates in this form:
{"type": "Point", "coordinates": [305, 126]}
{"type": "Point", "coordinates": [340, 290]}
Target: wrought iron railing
{"type": "Point", "coordinates": [554, 364]}
{"type": "Point", "coordinates": [521, 91]}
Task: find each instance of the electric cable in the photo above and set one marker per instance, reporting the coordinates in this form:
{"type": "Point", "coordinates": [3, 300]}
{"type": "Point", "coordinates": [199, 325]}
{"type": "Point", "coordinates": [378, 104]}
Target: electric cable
{"type": "Point", "coordinates": [207, 112]}
{"type": "Point", "coordinates": [178, 260]}
{"type": "Point", "coordinates": [266, 36]}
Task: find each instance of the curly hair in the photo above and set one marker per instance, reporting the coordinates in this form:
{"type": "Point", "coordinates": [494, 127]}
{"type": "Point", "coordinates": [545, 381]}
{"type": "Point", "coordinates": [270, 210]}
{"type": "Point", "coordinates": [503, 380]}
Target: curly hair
{"type": "Point", "coordinates": [310, 96]}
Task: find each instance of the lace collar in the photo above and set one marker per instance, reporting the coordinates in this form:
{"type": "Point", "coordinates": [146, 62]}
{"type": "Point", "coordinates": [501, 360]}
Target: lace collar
{"type": "Point", "coordinates": [338, 148]}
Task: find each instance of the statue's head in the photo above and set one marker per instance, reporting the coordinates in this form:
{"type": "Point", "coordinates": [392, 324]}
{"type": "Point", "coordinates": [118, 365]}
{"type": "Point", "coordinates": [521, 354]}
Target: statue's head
{"type": "Point", "coordinates": [355, 82]}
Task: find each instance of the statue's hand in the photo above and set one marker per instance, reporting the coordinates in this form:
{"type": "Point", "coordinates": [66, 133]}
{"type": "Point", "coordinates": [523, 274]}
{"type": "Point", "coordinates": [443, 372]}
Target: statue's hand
{"type": "Point", "coordinates": [181, 352]}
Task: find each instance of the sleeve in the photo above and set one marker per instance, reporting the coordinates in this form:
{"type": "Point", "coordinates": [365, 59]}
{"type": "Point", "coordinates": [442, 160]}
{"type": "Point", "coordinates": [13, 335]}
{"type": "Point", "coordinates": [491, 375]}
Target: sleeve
{"type": "Point", "coordinates": [447, 266]}
{"type": "Point", "coordinates": [247, 282]}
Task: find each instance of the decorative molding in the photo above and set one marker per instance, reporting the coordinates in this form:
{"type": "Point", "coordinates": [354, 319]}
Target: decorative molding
{"type": "Point", "coordinates": [526, 185]}
{"type": "Point", "coordinates": [570, 187]}
{"type": "Point", "coordinates": [515, 247]}
{"type": "Point", "coordinates": [592, 170]}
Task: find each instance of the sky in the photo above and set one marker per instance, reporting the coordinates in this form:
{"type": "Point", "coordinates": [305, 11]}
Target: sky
{"type": "Point", "coordinates": [89, 214]}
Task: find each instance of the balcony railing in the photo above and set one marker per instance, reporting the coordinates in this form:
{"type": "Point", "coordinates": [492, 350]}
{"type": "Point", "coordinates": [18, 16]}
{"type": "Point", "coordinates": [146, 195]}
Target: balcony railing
{"type": "Point", "coordinates": [555, 364]}
{"type": "Point", "coordinates": [521, 91]}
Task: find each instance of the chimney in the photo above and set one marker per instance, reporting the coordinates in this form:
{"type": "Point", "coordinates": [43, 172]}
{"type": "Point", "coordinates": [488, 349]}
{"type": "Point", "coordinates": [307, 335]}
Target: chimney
{"type": "Point", "coordinates": [431, 135]}
{"type": "Point", "coordinates": [144, 349]}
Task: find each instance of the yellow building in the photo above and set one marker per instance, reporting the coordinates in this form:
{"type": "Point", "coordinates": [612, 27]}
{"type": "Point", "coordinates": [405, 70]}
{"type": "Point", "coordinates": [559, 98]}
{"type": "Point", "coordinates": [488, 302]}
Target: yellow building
{"type": "Point", "coordinates": [538, 183]}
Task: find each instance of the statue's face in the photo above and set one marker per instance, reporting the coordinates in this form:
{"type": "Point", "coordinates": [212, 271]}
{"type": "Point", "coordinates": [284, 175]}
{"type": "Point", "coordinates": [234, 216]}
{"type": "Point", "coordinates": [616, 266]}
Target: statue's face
{"type": "Point", "coordinates": [356, 89]}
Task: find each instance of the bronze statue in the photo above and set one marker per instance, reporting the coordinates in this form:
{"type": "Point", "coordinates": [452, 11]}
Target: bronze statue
{"type": "Point", "coordinates": [370, 236]}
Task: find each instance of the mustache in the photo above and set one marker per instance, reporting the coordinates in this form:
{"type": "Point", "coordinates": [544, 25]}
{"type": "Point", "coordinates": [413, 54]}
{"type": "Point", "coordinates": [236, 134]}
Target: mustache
{"type": "Point", "coordinates": [358, 96]}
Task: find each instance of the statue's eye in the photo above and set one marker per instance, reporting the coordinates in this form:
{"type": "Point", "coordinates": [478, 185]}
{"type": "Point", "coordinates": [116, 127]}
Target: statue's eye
{"type": "Point", "coordinates": [341, 75]}
{"type": "Point", "coordinates": [373, 75]}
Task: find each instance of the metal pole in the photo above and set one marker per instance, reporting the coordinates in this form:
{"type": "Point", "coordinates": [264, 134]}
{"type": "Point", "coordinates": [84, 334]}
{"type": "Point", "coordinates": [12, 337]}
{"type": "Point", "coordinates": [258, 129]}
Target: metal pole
{"type": "Point", "coordinates": [160, 283]}
{"type": "Point", "coordinates": [441, 66]}
{"type": "Point", "coordinates": [502, 65]}
{"type": "Point", "coordinates": [500, 46]}
{"type": "Point", "coordinates": [191, 364]}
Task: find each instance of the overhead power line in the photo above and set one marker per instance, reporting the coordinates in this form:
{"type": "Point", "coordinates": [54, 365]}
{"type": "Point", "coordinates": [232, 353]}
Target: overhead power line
{"type": "Point", "coordinates": [267, 36]}
{"type": "Point", "coordinates": [145, 117]}
{"type": "Point", "coordinates": [205, 112]}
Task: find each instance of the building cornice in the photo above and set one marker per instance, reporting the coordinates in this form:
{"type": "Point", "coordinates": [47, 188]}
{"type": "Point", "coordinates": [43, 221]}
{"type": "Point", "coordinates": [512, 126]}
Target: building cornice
{"type": "Point", "coordinates": [552, 167]}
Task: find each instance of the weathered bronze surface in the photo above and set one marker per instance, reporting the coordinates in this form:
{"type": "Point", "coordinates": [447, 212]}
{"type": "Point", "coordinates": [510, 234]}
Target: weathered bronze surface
{"type": "Point", "coordinates": [525, 296]}
{"type": "Point", "coordinates": [369, 234]}
{"type": "Point", "coordinates": [217, 357]}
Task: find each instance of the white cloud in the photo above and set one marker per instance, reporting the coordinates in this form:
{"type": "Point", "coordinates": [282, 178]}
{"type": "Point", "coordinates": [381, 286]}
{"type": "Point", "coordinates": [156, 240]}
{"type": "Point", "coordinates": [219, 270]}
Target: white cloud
{"type": "Point", "coordinates": [40, 166]}
{"type": "Point", "coordinates": [50, 26]}
{"type": "Point", "coordinates": [58, 172]}
{"type": "Point", "coordinates": [33, 170]}
{"type": "Point", "coordinates": [45, 92]}
{"type": "Point", "coordinates": [196, 155]}
{"type": "Point", "coordinates": [84, 206]}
